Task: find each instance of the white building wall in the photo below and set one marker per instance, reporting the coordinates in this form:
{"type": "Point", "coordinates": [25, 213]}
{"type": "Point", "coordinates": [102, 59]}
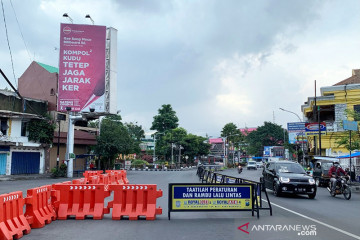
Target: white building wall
{"type": "Point", "coordinates": [22, 145]}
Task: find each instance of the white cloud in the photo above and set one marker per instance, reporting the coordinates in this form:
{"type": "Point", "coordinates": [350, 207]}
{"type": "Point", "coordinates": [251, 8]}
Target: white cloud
{"type": "Point", "coordinates": [215, 62]}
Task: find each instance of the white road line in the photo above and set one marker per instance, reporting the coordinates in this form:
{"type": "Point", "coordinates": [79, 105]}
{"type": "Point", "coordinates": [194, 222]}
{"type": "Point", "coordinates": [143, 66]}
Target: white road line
{"type": "Point", "coordinates": [317, 221]}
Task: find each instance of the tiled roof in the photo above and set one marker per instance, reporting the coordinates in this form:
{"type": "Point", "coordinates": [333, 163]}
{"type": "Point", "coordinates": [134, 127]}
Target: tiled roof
{"type": "Point", "coordinates": [49, 68]}
{"type": "Point", "coordinates": [354, 79]}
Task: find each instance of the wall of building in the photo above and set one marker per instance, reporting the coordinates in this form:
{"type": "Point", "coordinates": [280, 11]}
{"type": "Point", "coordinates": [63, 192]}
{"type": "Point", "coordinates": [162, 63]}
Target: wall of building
{"type": "Point", "coordinates": [32, 84]}
{"type": "Point", "coordinates": [78, 149]}
{"type": "Point", "coordinates": [343, 99]}
{"type": "Point", "coordinates": [26, 149]}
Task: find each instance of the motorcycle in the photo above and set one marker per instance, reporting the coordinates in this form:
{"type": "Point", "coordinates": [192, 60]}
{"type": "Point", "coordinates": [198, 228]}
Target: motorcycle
{"type": "Point", "coordinates": [239, 169]}
{"type": "Point", "coordinates": [341, 188]}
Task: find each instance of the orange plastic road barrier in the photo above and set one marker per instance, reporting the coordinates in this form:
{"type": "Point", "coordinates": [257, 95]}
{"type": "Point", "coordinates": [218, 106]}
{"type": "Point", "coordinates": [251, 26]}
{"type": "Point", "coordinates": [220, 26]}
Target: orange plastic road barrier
{"type": "Point", "coordinates": [104, 179]}
{"type": "Point", "coordinates": [94, 180]}
{"type": "Point", "coordinates": [39, 210]}
{"type": "Point", "coordinates": [113, 177]}
{"type": "Point", "coordinates": [134, 201]}
{"type": "Point", "coordinates": [88, 174]}
{"type": "Point", "coordinates": [121, 177]}
{"type": "Point", "coordinates": [13, 223]}
{"type": "Point", "coordinates": [79, 181]}
{"type": "Point", "coordinates": [81, 200]}
{"type": "Point", "coordinates": [55, 196]}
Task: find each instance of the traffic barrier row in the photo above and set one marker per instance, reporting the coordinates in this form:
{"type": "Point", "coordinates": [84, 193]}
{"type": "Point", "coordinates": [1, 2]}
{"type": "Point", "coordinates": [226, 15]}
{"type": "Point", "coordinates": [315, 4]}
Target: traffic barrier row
{"type": "Point", "coordinates": [81, 198]}
{"type": "Point", "coordinates": [110, 177]}
{"type": "Point", "coordinates": [134, 201]}
{"type": "Point", "coordinates": [13, 223]}
{"type": "Point", "coordinates": [39, 210]}
{"type": "Point", "coordinates": [208, 176]}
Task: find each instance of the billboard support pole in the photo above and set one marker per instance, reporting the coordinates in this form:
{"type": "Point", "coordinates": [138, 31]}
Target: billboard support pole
{"type": "Point", "coordinates": [70, 143]}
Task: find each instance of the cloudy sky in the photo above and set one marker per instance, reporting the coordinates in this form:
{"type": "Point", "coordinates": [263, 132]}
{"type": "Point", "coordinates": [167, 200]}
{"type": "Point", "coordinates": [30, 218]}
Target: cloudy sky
{"type": "Point", "coordinates": [214, 61]}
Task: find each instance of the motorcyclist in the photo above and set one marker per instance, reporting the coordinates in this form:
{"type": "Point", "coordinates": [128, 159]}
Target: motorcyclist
{"type": "Point", "coordinates": [239, 168]}
{"type": "Point", "coordinates": [334, 173]}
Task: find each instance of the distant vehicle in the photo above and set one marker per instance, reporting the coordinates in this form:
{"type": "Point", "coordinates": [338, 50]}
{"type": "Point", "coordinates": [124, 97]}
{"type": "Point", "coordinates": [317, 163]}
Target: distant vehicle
{"type": "Point", "coordinates": [251, 165]}
{"type": "Point", "coordinates": [239, 169]}
{"type": "Point", "coordinates": [320, 173]}
{"type": "Point", "coordinates": [288, 177]}
{"type": "Point", "coordinates": [259, 164]}
{"type": "Point", "coordinates": [273, 159]}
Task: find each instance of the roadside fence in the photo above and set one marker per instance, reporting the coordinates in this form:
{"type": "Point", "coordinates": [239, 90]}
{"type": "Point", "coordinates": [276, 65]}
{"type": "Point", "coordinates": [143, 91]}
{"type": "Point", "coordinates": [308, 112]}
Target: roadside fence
{"type": "Point", "coordinates": [212, 177]}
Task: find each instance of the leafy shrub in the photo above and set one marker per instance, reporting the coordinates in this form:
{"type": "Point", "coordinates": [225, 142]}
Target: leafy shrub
{"type": "Point", "coordinates": [61, 172]}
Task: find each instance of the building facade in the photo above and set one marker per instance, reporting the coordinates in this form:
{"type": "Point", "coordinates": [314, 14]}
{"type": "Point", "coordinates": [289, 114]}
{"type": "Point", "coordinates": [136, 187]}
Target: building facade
{"type": "Point", "coordinates": [19, 155]}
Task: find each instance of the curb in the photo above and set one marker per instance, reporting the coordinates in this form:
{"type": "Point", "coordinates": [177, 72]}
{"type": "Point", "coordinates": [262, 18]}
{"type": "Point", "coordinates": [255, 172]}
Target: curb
{"type": "Point", "coordinates": [159, 170]}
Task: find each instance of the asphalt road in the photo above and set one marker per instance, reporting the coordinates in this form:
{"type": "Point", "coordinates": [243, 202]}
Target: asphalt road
{"type": "Point", "coordinates": [332, 218]}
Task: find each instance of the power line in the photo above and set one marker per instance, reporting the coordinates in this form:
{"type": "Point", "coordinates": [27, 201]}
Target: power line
{"type": "Point", "coordinates": [7, 38]}
{"type": "Point", "coordinates": [22, 36]}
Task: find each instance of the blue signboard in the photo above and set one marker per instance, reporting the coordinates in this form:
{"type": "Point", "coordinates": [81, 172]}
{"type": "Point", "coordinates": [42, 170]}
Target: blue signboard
{"type": "Point", "coordinates": [350, 125]}
{"type": "Point", "coordinates": [267, 151]}
{"type": "Point", "coordinates": [296, 127]}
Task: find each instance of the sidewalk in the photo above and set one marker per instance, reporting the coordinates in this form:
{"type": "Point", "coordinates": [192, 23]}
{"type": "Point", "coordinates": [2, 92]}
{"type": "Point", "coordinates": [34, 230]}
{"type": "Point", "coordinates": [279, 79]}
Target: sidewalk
{"type": "Point", "coordinates": [24, 177]}
{"type": "Point", "coordinates": [355, 186]}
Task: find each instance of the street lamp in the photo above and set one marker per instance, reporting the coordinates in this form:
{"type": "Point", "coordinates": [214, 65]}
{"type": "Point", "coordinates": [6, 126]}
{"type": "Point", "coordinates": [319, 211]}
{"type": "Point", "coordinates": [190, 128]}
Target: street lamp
{"type": "Point", "coordinates": [302, 134]}
{"type": "Point", "coordinates": [68, 17]}
{"type": "Point", "coordinates": [154, 137]}
{"type": "Point", "coordinates": [226, 149]}
{"type": "Point", "coordinates": [88, 16]}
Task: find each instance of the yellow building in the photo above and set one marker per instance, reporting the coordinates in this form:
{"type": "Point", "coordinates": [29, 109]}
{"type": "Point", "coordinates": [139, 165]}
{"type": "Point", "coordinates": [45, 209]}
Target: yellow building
{"type": "Point", "coordinates": [333, 102]}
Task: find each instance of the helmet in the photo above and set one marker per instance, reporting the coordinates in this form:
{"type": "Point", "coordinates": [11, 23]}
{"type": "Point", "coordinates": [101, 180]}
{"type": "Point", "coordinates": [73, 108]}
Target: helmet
{"type": "Point", "coordinates": [336, 164]}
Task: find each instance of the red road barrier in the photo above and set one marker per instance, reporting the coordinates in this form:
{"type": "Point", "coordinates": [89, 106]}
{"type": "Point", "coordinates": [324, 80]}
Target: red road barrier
{"type": "Point", "coordinates": [104, 179]}
{"type": "Point", "coordinates": [81, 200]}
{"type": "Point", "coordinates": [13, 223]}
{"type": "Point", "coordinates": [134, 201]}
{"type": "Point", "coordinates": [39, 210]}
{"type": "Point", "coordinates": [94, 180]}
{"type": "Point", "coordinates": [121, 177]}
{"type": "Point", "coordinates": [113, 177]}
{"type": "Point", "coordinates": [79, 181]}
{"type": "Point", "coordinates": [88, 174]}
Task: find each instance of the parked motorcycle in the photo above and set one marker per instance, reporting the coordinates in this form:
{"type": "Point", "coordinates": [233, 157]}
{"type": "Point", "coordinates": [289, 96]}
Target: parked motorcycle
{"type": "Point", "coordinates": [239, 169]}
{"type": "Point", "coordinates": [341, 188]}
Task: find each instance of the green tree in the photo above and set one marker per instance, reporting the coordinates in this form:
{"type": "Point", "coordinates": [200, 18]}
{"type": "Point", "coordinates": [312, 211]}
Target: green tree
{"type": "Point", "coordinates": [41, 130]}
{"type": "Point", "coordinates": [114, 139]}
{"type": "Point", "coordinates": [233, 135]}
{"type": "Point", "coordinates": [192, 145]}
{"type": "Point", "coordinates": [344, 140]}
{"type": "Point", "coordinates": [164, 141]}
{"type": "Point", "coordinates": [270, 134]}
{"type": "Point", "coordinates": [195, 146]}
{"type": "Point", "coordinates": [136, 133]}
{"type": "Point", "coordinates": [165, 120]}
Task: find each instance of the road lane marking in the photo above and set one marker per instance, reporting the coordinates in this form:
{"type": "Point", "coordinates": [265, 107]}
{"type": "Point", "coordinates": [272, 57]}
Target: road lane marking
{"type": "Point", "coordinates": [315, 220]}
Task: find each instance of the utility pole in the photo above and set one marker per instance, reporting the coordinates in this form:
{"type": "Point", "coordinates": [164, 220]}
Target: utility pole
{"type": "Point", "coordinates": [180, 154]}
{"type": "Point", "coordinates": [318, 119]}
{"type": "Point", "coordinates": [302, 135]}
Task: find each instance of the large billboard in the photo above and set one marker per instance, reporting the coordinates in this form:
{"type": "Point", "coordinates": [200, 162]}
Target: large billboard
{"type": "Point", "coordinates": [296, 131]}
{"type": "Point", "coordinates": [82, 68]}
{"type": "Point", "coordinates": [312, 129]}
